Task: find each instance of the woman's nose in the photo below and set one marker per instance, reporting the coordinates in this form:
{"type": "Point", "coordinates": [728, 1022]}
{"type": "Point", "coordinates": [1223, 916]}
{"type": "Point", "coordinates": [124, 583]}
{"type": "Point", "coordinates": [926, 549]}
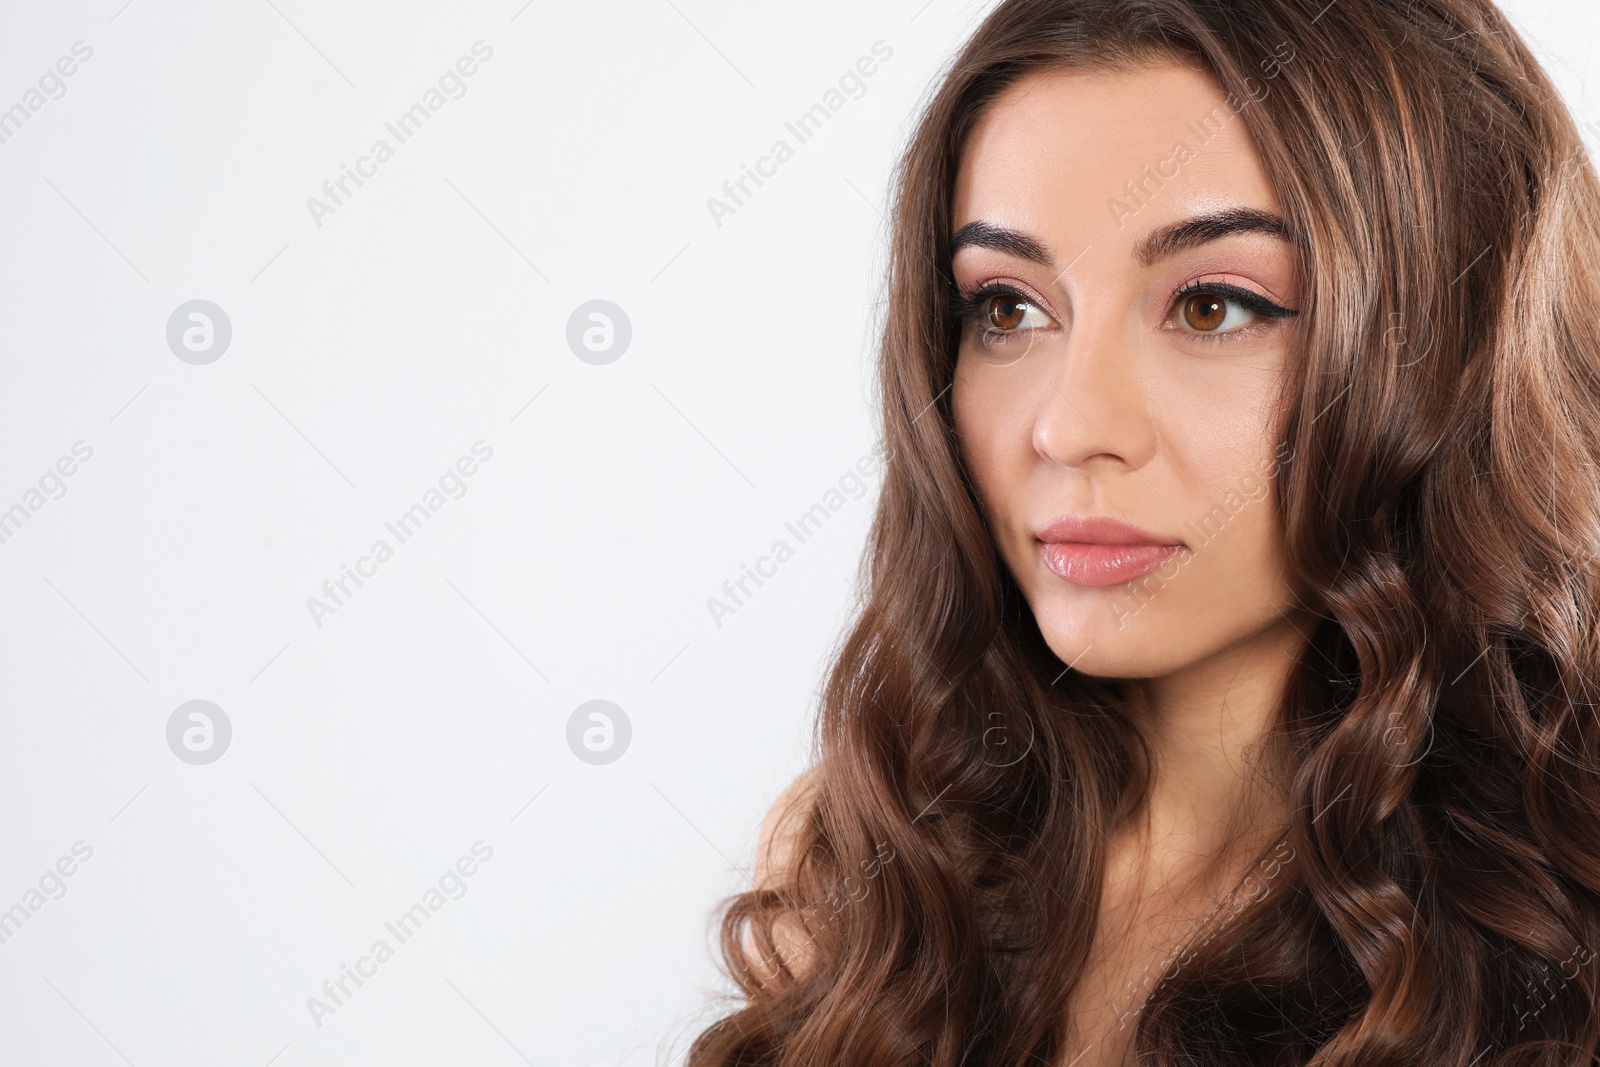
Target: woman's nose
{"type": "Point", "coordinates": [1092, 405]}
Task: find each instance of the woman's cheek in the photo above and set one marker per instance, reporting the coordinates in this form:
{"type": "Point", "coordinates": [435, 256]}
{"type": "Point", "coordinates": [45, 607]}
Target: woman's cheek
{"type": "Point", "coordinates": [978, 408]}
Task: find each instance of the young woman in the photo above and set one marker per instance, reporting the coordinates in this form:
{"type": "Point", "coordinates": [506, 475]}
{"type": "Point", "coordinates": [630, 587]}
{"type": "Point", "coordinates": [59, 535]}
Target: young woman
{"type": "Point", "coordinates": [1225, 687]}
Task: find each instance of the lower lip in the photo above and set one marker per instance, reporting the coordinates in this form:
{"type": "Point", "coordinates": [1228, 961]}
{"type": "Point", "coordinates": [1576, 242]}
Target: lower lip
{"type": "Point", "coordinates": [1104, 565]}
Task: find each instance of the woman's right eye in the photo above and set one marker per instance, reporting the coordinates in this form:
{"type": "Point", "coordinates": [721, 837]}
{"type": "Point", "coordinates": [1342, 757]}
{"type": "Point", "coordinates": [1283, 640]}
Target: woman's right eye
{"type": "Point", "coordinates": [998, 311]}
{"type": "Point", "coordinates": [1006, 313]}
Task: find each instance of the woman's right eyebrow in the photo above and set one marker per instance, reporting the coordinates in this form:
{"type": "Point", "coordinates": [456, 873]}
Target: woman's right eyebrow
{"type": "Point", "coordinates": [980, 234]}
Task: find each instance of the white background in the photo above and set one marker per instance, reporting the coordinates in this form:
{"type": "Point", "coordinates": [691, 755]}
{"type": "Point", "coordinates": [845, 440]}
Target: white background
{"type": "Point", "coordinates": [369, 353]}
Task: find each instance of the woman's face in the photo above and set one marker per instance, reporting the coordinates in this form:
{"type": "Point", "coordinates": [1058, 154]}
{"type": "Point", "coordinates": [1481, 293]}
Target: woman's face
{"type": "Point", "coordinates": [1129, 321]}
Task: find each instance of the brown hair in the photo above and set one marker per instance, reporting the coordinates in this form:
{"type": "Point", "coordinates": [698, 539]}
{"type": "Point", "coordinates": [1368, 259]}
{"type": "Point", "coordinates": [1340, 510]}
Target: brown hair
{"type": "Point", "coordinates": [1438, 739]}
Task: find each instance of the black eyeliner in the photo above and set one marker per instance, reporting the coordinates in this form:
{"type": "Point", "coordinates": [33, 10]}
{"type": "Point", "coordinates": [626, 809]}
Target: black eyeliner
{"type": "Point", "coordinates": [1249, 298]}
{"type": "Point", "coordinates": [968, 305]}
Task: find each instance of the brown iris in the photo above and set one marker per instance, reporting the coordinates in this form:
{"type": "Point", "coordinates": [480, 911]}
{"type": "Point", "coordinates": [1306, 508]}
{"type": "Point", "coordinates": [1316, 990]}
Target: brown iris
{"type": "Point", "coordinates": [1204, 312]}
{"type": "Point", "coordinates": [1005, 312]}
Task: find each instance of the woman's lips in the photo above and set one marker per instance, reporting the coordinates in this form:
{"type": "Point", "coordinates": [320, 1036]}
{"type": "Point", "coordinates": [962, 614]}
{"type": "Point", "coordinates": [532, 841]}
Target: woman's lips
{"type": "Point", "coordinates": [1097, 550]}
{"type": "Point", "coordinates": [1104, 565]}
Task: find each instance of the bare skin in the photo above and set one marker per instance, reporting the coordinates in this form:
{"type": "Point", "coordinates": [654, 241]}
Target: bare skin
{"type": "Point", "coordinates": [1116, 374]}
{"type": "Point", "coordinates": [1103, 382]}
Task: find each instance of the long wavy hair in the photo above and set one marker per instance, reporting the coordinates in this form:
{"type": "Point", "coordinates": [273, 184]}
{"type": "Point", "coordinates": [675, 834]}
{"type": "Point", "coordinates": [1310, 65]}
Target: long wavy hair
{"type": "Point", "coordinates": [1436, 897]}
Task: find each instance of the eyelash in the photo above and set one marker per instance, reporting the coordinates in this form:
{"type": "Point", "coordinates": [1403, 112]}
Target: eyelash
{"type": "Point", "coordinates": [969, 307]}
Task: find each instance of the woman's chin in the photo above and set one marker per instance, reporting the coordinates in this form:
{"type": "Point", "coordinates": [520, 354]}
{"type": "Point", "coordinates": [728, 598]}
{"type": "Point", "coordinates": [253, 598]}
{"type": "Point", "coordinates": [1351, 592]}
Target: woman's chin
{"type": "Point", "coordinates": [1098, 647]}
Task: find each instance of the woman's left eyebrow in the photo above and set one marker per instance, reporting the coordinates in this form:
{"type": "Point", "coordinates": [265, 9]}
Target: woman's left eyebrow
{"type": "Point", "coordinates": [1203, 229]}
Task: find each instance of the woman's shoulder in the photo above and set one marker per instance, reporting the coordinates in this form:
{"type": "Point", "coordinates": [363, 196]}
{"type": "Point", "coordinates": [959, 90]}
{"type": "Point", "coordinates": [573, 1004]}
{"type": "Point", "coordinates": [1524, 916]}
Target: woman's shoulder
{"type": "Point", "coordinates": [780, 828]}
{"type": "Point", "coordinates": [776, 849]}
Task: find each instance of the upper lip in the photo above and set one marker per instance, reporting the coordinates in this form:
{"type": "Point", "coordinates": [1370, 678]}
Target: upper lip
{"type": "Point", "coordinates": [1097, 530]}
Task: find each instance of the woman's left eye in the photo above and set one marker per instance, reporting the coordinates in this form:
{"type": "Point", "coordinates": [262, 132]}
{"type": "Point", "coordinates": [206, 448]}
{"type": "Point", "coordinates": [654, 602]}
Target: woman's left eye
{"type": "Point", "coordinates": [1215, 310]}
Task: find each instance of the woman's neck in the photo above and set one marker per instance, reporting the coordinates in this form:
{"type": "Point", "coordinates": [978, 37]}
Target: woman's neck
{"type": "Point", "coordinates": [1214, 794]}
